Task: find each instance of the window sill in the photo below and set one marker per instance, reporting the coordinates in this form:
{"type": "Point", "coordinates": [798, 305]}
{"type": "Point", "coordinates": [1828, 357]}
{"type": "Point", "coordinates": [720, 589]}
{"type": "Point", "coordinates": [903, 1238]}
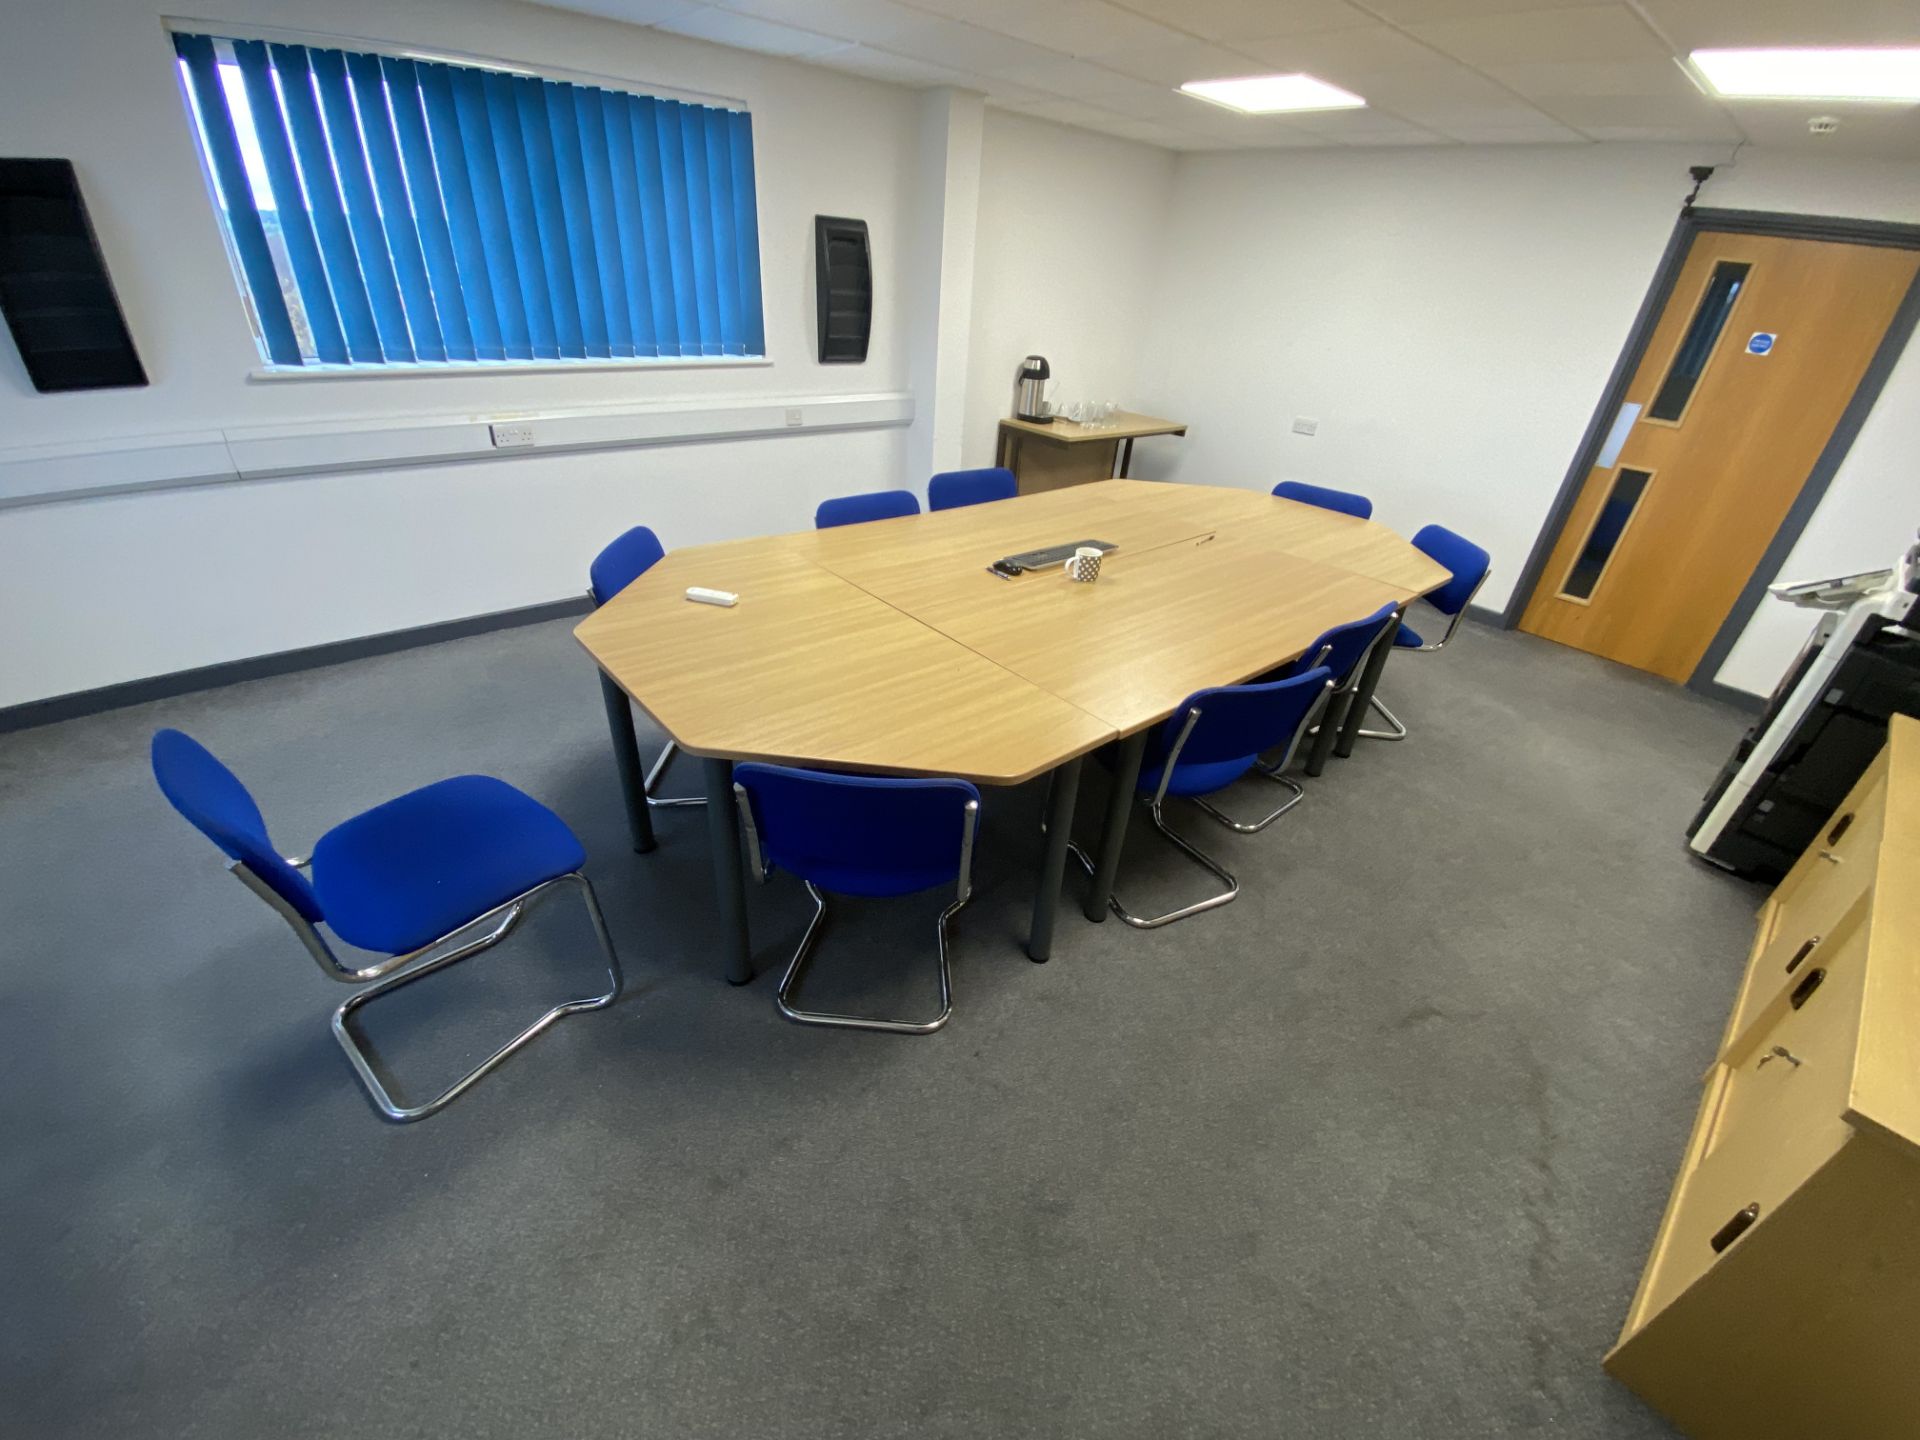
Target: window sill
{"type": "Point", "coordinates": [440, 368]}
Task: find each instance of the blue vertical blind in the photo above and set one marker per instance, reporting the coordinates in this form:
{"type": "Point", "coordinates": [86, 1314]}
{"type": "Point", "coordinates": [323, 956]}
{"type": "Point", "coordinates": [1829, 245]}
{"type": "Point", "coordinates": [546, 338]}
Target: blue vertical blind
{"type": "Point", "coordinates": [389, 211]}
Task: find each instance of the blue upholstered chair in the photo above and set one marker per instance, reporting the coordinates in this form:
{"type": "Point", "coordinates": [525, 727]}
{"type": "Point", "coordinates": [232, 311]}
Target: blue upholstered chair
{"type": "Point", "coordinates": [858, 509]}
{"type": "Point", "coordinates": [1469, 566]}
{"type": "Point", "coordinates": [401, 880]}
{"type": "Point", "coordinates": [624, 561]}
{"type": "Point", "coordinates": [954, 488]}
{"type": "Point", "coordinates": [1216, 737]}
{"type": "Point", "coordinates": [859, 835]}
{"type": "Point", "coordinates": [1326, 498]}
{"type": "Point", "coordinates": [1342, 652]}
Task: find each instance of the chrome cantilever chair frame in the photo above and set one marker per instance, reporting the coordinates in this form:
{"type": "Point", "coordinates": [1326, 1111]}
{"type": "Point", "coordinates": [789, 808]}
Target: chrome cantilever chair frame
{"type": "Point", "coordinates": [392, 973]}
{"type": "Point", "coordinates": [1398, 730]}
{"type": "Point", "coordinates": [1156, 808]}
{"type": "Point", "coordinates": [796, 967]}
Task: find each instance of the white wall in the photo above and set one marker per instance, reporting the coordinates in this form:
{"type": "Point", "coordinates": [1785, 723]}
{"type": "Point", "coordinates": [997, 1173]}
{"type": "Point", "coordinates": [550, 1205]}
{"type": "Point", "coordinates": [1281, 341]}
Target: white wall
{"type": "Point", "coordinates": [1068, 256]}
{"type": "Point", "coordinates": [1450, 318]}
{"type": "Point", "coordinates": [104, 590]}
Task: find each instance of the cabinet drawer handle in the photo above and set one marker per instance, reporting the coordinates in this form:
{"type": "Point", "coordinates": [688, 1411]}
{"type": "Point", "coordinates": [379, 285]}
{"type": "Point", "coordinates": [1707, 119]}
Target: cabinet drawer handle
{"type": "Point", "coordinates": [1800, 955]}
{"type": "Point", "coordinates": [1735, 1228]}
{"type": "Point", "coordinates": [1803, 992]}
{"type": "Point", "coordinates": [1840, 827]}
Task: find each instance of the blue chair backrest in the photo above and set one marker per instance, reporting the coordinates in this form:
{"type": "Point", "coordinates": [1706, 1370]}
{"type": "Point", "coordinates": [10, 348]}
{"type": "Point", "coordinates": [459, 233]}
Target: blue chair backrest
{"type": "Point", "coordinates": [858, 509]}
{"type": "Point", "coordinates": [1468, 562]}
{"type": "Point", "coordinates": [954, 488]}
{"type": "Point", "coordinates": [1327, 498]}
{"type": "Point", "coordinates": [858, 834]}
{"type": "Point", "coordinates": [623, 562]}
{"type": "Point", "coordinates": [1347, 644]}
{"type": "Point", "coordinates": [219, 807]}
{"type": "Point", "coordinates": [1240, 722]}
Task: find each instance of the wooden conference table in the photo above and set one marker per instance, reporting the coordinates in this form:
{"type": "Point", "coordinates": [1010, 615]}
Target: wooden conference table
{"type": "Point", "coordinates": [890, 648]}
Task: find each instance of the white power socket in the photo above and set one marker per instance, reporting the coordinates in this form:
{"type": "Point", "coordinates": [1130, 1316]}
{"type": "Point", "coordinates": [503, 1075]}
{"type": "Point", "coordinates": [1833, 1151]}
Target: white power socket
{"type": "Point", "coordinates": [793, 418]}
{"type": "Point", "coordinates": [1305, 425]}
{"type": "Point", "coordinates": [512, 435]}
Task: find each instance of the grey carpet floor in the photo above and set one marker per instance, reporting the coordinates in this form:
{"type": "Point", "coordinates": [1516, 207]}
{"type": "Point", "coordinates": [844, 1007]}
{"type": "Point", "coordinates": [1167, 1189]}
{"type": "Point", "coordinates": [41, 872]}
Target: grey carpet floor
{"type": "Point", "coordinates": [1377, 1150]}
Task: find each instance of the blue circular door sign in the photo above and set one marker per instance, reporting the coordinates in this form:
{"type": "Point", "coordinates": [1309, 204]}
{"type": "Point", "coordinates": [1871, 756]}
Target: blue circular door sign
{"type": "Point", "coordinates": [1761, 342]}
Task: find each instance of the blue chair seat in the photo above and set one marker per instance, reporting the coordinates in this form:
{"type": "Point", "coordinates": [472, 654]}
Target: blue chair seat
{"type": "Point", "coordinates": [1407, 638]}
{"type": "Point", "coordinates": [408, 872]}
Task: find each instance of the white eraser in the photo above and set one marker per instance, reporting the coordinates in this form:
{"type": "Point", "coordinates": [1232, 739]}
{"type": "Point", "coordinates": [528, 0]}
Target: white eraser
{"type": "Point", "coordinates": [704, 596]}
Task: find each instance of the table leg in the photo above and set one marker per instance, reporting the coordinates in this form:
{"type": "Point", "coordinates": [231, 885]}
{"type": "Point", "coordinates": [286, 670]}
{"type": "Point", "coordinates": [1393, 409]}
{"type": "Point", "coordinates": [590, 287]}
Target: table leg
{"type": "Point", "coordinates": [1126, 458]}
{"type": "Point", "coordinates": [1126, 778]}
{"type": "Point", "coordinates": [1330, 721]}
{"type": "Point", "coordinates": [729, 875]}
{"type": "Point", "coordinates": [1046, 898]}
{"type": "Point", "coordinates": [626, 756]}
{"type": "Point", "coordinates": [1369, 679]}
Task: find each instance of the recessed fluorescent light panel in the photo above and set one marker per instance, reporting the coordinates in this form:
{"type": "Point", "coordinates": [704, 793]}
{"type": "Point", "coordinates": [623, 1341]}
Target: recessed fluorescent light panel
{"type": "Point", "coordinates": [1273, 94]}
{"type": "Point", "coordinates": [1884, 74]}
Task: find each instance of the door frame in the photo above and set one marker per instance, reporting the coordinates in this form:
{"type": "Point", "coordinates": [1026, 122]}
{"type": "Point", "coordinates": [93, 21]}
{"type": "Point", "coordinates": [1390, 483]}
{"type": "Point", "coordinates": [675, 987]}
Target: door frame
{"type": "Point", "coordinates": [1692, 222]}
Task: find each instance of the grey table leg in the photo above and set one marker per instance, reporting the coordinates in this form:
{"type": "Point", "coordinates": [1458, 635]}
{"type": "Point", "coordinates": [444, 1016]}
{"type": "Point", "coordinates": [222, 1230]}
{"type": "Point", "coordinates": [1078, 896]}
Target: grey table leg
{"type": "Point", "coordinates": [1046, 899]}
{"type": "Point", "coordinates": [626, 756]}
{"type": "Point", "coordinates": [1126, 458]}
{"type": "Point", "coordinates": [1329, 731]}
{"type": "Point", "coordinates": [1126, 778]}
{"type": "Point", "coordinates": [729, 875]}
{"type": "Point", "coordinates": [1369, 679]}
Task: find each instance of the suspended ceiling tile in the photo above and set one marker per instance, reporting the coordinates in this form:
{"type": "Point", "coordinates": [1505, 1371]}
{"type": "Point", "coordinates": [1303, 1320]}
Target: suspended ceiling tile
{"type": "Point", "coordinates": [1451, 119]}
{"type": "Point", "coordinates": [746, 32]}
{"type": "Point", "coordinates": [948, 42]}
{"type": "Point", "coordinates": [1420, 12]}
{"type": "Point", "coordinates": [1352, 53]}
{"type": "Point", "coordinates": [848, 19]}
{"type": "Point", "coordinates": [1176, 60]}
{"type": "Point", "coordinates": [1439, 82]}
{"type": "Point", "coordinates": [1659, 134]}
{"type": "Point", "coordinates": [1075, 79]}
{"type": "Point", "coordinates": [1654, 78]}
{"type": "Point", "coordinates": [1347, 124]}
{"type": "Point", "coordinates": [633, 12]}
{"type": "Point", "coordinates": [906, 70]}
{"type": "Point", "coordinates": [1586, 113]}
{"type": "Point", "coordinates": [1385, 141]}
{"type": "Point", "coordinates": [1704, 24]}
{"type": "Point", "coordinates": [1592, 32]}
{"type": "Point", "coordinates": [1073, 27]}
{"type": "Point", "coordinates": [1233, 21]}
{"type": "Point", "coordinates": [1880, 131]}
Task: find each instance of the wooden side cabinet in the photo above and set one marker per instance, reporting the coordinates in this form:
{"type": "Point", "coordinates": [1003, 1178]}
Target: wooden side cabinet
{"type": "Point", "coordinates": [1782, 1298]}
{"type": "Point", "coordinates": [1051, 455]}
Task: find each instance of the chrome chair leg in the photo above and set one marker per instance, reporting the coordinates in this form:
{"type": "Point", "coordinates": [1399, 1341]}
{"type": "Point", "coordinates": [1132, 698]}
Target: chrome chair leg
{"type": "Point", "coordinates": [658, 769]}
{"type": "Point", "coordinates": [510, 915]}
{"type": "Point", "coordinates": [1399, 730]}
{"type": "Point", "coordinates": [1254, 827]}
{"type": "Point", "coordinates": [1194, 853]}
{"type": "Point", "coordinates": [796, 967]}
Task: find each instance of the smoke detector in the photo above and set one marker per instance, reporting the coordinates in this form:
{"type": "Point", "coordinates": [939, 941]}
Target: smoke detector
{"type": "Point", "coordinates": [1822, 125]}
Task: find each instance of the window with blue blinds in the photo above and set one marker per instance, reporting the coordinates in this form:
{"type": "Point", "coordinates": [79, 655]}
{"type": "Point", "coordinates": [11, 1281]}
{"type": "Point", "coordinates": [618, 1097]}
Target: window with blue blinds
{"type": "Point", "coordinates": [389, 211]}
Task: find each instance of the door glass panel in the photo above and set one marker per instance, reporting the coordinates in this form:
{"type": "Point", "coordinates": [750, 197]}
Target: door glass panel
{"type": "Point", "coordinates": [1729, 277]}
{"type": "Point", "coordinates": [1622, 500]}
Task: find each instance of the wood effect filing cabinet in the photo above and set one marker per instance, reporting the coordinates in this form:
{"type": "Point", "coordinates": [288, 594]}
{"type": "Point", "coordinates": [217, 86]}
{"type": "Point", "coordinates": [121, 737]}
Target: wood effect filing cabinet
{"type": "Point", "coordinates": [1782, 1297]}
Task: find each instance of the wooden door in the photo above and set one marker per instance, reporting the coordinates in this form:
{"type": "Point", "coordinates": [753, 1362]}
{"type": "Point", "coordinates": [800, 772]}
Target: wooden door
{"type": "Point", "coordinates": [1761, 345]}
